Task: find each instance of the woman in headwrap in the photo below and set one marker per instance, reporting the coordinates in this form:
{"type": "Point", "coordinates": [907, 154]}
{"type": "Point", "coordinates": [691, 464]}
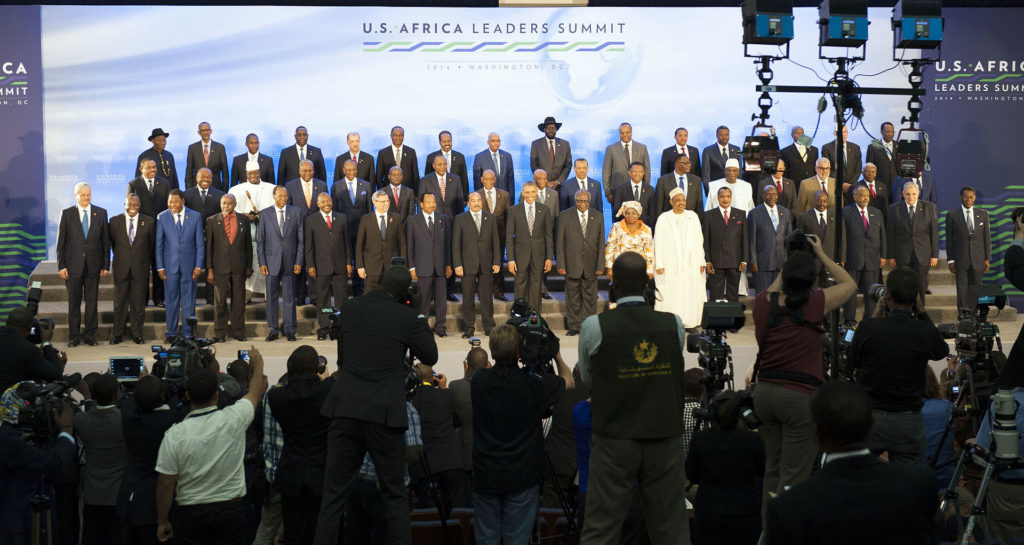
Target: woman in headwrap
{"type": "Point", "coordinates": [629, 235]}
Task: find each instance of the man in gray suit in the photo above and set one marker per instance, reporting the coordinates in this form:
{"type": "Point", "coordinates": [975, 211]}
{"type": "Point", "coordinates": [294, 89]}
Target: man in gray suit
{"type": "Point", "coordinates": [476, 256]}
{"type": "Point", "coordinates": [580, 252]}
{"type": "Point", "coordinates": [206, 153]}
{"type": "Point", "coordinates": [821, 222]}
{"type": "Point", "coordinates": [279, 249]}
{"type": "Point", "coordinates": [786, 187]}
{"type": "Point", "coordinates": [498, 161]}
{"type": "Point", "coordinates": [768, 225]}
{"type": "Point", "coordinates": [617, 160]}
{"type": "Point", "coordinates": [529, 245]}
{"type": "Point", "coordinates": [579, 180]}
{"type": "Point", "coordinates": [851, 172]}
{"type": "Point", "coordinates": [551, 154]}
{"type": "Point", "coordinates": [103, 450]}
{"type": "Point", "coordinates": [426, 236]}
{"type": "Point", "coordinates": [913, 234]}
{"type": "Point", "coordinates": [867, 244]}
{"type": "Point", "coordinates": [549, 198]}
{"type": "Point", "coordinates": [968, 245]}
{"type": "Point", "coordinates": [680, 177]}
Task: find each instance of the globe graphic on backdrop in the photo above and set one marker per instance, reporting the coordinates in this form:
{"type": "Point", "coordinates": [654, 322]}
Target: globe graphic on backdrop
{"type": "Point", "coordinates": [588, 78]}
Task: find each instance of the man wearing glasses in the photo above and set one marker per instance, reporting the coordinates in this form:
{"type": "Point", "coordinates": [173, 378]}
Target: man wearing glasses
{"type": "Point", "coordinates": [820, 182]}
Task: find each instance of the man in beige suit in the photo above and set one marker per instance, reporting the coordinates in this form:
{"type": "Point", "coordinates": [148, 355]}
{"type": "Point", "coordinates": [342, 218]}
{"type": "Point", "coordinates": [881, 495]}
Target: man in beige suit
{"type": "Point", "coordinates": [820, 182]}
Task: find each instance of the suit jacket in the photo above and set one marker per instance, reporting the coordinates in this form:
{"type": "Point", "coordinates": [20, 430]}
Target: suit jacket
{"type": "Point", "coordinates": [456, 166]}
{"type": "Point", "coordinates": [218, 165]}
{"type": "Point", "coordinates": [80, 252]}
{"type": "Point", "coordinates": [364, 166]}
{"type": "Point", "coordinates": [787, 197]}
{"type": "Point", "coordinates": [475, 251]}
{"type": "Point", "coordinates": [410, 170]}
{"type": "Point", "coordinates": [968, 250]}
{"type": "Point", "coordinates": [288, 163]}
{"type": "Point", "coordinates": [170, 173]}
{"type": "Point", "coordinates": [206, 209]}
{"type": "Point", "coordinates": [279, 253]}
{"type": "Point", "coordinates": [669, 155]}
{"type": "Point", "coordinates": [223, 257]}
{"type": "Point", "coordinates": [853, 161]}
{"type": "Point", "coordinates": [180, 253]}
{"type": "Point", "coordinates": [767, 244]}
{"type": "Point", "coordinates": [798, 167]}
{"type": "Point", "coordinates": [808, 223]}
{"type": "Point", "coordinates": [103, 449]}
{"type": "Point", "coordinates": [454, 201]}
{"type": "Point", "coordinates": [725, 246]}
{"type": "Point", "coordinates": [238, 169]}
{"type": "Point", "coordinates": [624, 192]}
{"type": "Point", "coordinates": [441, 442]}
{"type": "Point", "coordinates": [297, 198]}
{"type": "Point", "coordinates": [353, 211]}
{"type": "Point", "coordinates": [886, 165]}
{"type": "Point", "coordinates": [428, 249]}
{"type": "Point", "coordinates": [712, 165]}
{"type": "Point", "coordinates": [615, 170]}
{"type": "Point", "coordinates": [152, 203]}
{"type": "Point", "coordinates": [864, 249]}
{"type": "Point", "coordinates": [505, 178]}
{"type": "Point", "coordinates": [808, 187]}
{"type": "Point", "coordinates": [567, 194]}
{"type": "Point", "coordinates": [668, 182]}
{"type": "Point", "coordinates": [580, 254]}
{"type": "Point", "coordinates": [460, 390]}
{"type": "Point", "coordinates": [879, 201]}
{"type": "Point", "coordinates": [297, 408]}
{"type": "Point", "coordinates": [131, 260]}
{"type": "Point", "coordinates": [502, 204]}
{"type": "Point", "coordinates": [525, 247]}
{"type": "Point", "coordinates": [927, 186]}
{"type": "Point", "coordinates": [406, 203]}
{"type": "Point", "coordinates": [551, 202]}
{"type": "Point", "coordinates": [374, 253]}
{"type": "Point", "coordinates": [857, 500]}
{"type": "Point", "coordinates": [917, 236]}
{"type": "Point", "coordinates": [326, 249]}
{"type": "Point", "coordinates": [540, 157]}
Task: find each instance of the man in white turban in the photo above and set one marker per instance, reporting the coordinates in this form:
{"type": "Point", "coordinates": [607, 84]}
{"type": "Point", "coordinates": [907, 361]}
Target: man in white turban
{"type": "Point", "coordinates": [679, 261]}
{"type": "Point", "coordinates": [253, 196]}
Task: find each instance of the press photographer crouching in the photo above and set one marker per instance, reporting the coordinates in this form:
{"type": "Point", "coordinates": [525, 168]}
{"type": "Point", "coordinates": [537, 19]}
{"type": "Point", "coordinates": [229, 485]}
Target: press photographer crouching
{"type": "Point", "coordinates": [23, 359]}
{"type": "Point", "coordinates": [891, 350]}
{"type": "Point", "coordinates": [788, 319]}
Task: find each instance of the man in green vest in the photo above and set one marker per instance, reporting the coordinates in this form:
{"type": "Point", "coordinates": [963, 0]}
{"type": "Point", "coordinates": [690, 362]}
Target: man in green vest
{"type": "Point", "coordinates": [632, 356]}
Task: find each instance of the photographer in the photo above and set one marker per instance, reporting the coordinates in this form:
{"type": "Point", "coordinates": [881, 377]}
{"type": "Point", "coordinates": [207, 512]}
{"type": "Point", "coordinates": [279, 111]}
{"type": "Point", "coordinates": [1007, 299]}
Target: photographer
{"type": "Point", "coordinates": [893, 372]}
{"type": "Point", "coordinates": [22, 359]}
{"type": "Point", "coordinates": [787, 323]}
{"type": "Point", "coordinates": [508, 446]}
{"type": "Point", "coordinates": [442, 446]}
{"type": "Point", "coordinates": [103, 454]}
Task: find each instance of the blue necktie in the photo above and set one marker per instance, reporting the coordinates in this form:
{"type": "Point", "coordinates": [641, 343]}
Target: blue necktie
{"type": "Point", "coordinates": [383, 228]}
{"type": "Point", "coordinates": [177, 223]}
{"type": "Point", "coordinates": [775, 220]}
{"type": "Point", "coordinates": [85, 223]}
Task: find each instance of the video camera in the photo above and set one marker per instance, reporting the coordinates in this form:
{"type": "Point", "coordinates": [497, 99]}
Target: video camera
{"type": "Point", "coordinates": [839, 360]}
{"type": "Point", "coordinates": [35, 294]}
{"type": "Point", "coordinates": [36, 417]}
{"type": "Point", "coordinates": [183, 357]}
{"type": "Point", "coordinates": [539, 345]}
{"type": "Point", "coordinates": [714, 354]}
{"type": "Point", "coordinates": [975, 337]}
{"type": "Point", "coordinates": [761, 153]}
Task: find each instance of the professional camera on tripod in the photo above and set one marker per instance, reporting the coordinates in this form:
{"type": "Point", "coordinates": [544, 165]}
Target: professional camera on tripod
{"type": "Point", "coordinates": [838, 359]}
{"type": "Point", "coordinates": [714, 355]}
{"type": "Point", "coordinates": [185, 356]}
{"type": "Point", "coordinates": [42, 403]}
{"type": "Point", "coordinates": [539, 345]}
{"type": "Point", "coordinates": [35, 294]}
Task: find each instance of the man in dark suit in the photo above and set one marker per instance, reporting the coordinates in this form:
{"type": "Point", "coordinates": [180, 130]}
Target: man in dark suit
{"type": "Point", "coordinates": [679, 177]}
{"type": "Point", "coordinates": [427, 237]}
{"type": "Point", "coordinates": [579, 180]}
{"type": "Point", "coordinates": [553, 155]}
{"type": "Point", "coordinates": [132, 238]}
{"type": "Point", "coordinates": [362, 160]}
{"type": "Point", "coordinates": [546, 197]}
{"type": "Point", "coordinates": [207, 154]}
{"type": "Point", "coordinates": [619, 158]}
{"type": "Point", "coordinates": [205, 199]}
{"type": "Point", "coordinates": [925, 185]}
{"type": "Point", "coordinates": [800, 156]}
{"type": "Point", "coordinates": [580, 254]}
{"type": "Point", "coordinates": [968, 245]}
{"type": "Point", "coordinates": [725, 247]}
{"type": "Point", "coordinates": [866, 247]}
{"type": "Point", "coordinates": [499, 162]}
{"type": "Point", "coordinates": [180, 256]}
{"type": "Point", "coordinates": [397, 154]}
{"type": "Point", "coordinates": [882, 155]}
{"type": "Point", "coordinates": [352, 197]}
{"type": "Point", "coordinates": [635, 190]}
{"type": "Point", "coordinates": [302, 193]}
{"type": "Point", "coordinates": [879, 191]}
{"type": "Point", "coordinates": [290, 158]}
{"type": "Point", "coordinates": [229, 263]}
{"type": "Point", "coordinates": [403, 200]}
{"type": "Point", "coordinates": [854, 498]}
{"type": "Point", "coordinates": [497, 202]}
{"type": "Point", "coordinates": [442, 444]}
{"type": "Point", "coordinates": [380, 237]}
{"type": "Point", "coordinates": [476, 257]}
{"type": "Point", "coordinates": [152, 191]}
{"type": "Point", "coordinates": [528, 240]}
{"type": "Point", "coordinates": [821, 222]}
{"type": "Point", "coordinates": [912, 235]}
{"type": "Point", "coordinates": [164, 159]}
{"type": "Point", "coordinates": [446, 187]}
{"type": "Point", "coordinates": [786, 187]}
{"type": "Point", "coordinates": [83, 256]}
{"type": "Point", "coordinates": [98, 428]}
{"type": "Point", "coordinates": [670, 154]}
{"type": "Point", "coordinates": [328, 258]}
{"type": "Point", "coordinates": [714, 157]}
{"type": "Point", "coordinates": [279, 250]}
{"type": "Point", "coordinates": [851, 172]}
{"type": "Point", "coordinates": [768, 225]}
{"type": "Point", "coordinates": [238, 164]}
{"type": "Point", "coordinates": [455, 161]}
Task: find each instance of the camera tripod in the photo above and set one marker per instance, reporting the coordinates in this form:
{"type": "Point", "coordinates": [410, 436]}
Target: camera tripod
{"type": "Point", "coordinates": [435, 494]}
{"type": "Point", "coordinates": [42, 521]}
{"type": "Point", "coordinates": [993, 466]}
{"type": "Point", "coordinates": [970, 401]}
{"type": "Point", "coordinates": [564, 502]}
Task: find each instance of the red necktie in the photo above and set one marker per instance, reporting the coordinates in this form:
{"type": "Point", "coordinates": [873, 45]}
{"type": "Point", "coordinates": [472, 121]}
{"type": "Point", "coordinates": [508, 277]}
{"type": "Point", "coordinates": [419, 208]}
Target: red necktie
{"type": "Point", "coordinates": [725, 214]}
{"type": "Point", "coordinates": [871, 186]}
{"type": "Point", "coordinates": [865, 218]}
{"type": "Point", "coordinates": [206, 154]}
{"type": "Point", "coordinates": [551, 148]}
{"type": "Point", "coordinates": [396, 195]}
{"type": "Point", "coordinates": [779, 183]}
{"type": "Point", "coordinates": [328, 220]}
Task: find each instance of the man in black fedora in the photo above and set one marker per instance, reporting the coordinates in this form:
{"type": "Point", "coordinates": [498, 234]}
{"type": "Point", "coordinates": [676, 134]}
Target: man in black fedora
{"type": "Point", "coordinates": [551, 154]}
{"type": "Point", "coordinates": [163, 158]}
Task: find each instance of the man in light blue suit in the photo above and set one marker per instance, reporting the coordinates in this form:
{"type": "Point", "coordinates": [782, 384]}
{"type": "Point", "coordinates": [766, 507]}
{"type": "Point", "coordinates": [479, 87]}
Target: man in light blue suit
{"type": "Point", "coordinates": [279, 249]}
{"type": "Point", "coordinates": [497, 160]}
{"type": "Point", "coordinates": [180, 256]}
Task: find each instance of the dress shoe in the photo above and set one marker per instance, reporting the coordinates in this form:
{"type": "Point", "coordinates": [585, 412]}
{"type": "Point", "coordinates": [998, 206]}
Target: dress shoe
{"type": "Point", "coordinates": [487, 331]}
{"type": "Point", "coordinates": [218, 339]}
{"type": "Point", "coordinates": [139, 340]}
{"type": "Point", "coordinates": [442, 334]}
{"type": "Point", "coordinates": [272, 337]}
{"type": "Point", "coordinates": [241, 338]}
{"type": "Point", "coordinates": [116, 340]}
{"type": "Point", "coordinates": [169, 339]}
{"type": "Point", "coordinates": [546, 295]}
{"type": "Point", "coordinates": [572, 332]}
{"type": "Point", "coordinates": [467, 334]}
{"type": "Point", "coordinates": [453, 298]}
{"type": "Point", "coordinates": [320, 336]}
{"type": "Point", "coordinates": [927, 292]}
{"type": "Point", "coordinates": [91, 341]}
{"type": "Point", "coordinates": [159, 303]}
{"type": "Point", "coordinates": [500, 298]}
{"type": "Point", "coordinates": [74, 342]}
{"type": "Point", "coordinates": [291, 336]}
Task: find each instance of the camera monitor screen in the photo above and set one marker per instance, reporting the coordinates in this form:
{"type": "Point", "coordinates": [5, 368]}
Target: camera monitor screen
{"type": "Point", "coordinates": [126, 369]}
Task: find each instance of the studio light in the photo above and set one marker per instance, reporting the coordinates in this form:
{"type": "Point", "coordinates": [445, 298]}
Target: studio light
{"type": "Point", "coordinates": [843, 23]}
{"type": "Point", "coordinates": [767, 22]}
{"type": "Point", "coordinates": [917, 24]}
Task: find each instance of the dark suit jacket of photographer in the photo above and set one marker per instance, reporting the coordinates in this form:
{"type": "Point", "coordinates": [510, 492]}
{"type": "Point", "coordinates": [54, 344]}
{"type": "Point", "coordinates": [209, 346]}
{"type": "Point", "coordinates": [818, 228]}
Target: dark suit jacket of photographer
{"type": "Point", "coordinates": [25, 361]}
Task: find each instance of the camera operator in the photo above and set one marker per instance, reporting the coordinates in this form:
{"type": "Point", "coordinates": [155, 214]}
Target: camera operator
{"type": "Point", "coordinates": [508, 445]}
{"type": "Point", "coordinates": [103, 454]}
{"type": "Point", "coordinates": [367, 403]}
{"type": "Point", "coordinates": [476, 360]}
{"type": "Point", "coordinates": [893, 372]}
{"type": "Point", "coordinates": [787, 323]}
{"type": "Point", "coordinates": [22, 359]}
{"type": "Point", "coordinates": [442, 446]}
{"type": "Point", "coordinates": [632, 357]}
{"type": "Point", "coordinates": [22, 464]}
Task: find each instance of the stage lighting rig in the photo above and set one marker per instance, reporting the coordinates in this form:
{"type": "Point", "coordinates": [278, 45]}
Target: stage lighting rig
{"type": "Point", "coordinates": [767, 22]}
{"type": "Point", "coordinates": [843, 23]}
{"type": "Point", "coordinates": [917, 24]}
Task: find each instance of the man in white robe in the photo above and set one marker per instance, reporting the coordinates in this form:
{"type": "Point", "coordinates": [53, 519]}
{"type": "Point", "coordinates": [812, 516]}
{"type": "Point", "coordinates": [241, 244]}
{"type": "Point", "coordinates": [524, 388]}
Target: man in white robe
{"type": "Point", "coordinates": [742, 198]}
{"type": "Point", "coordinates": [679, 262]}
{"type": "Point", "coordinates": [253, 196]}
